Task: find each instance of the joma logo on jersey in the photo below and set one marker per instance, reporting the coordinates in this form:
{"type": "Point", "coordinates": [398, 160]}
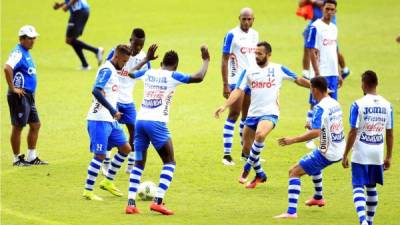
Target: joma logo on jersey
{"type": "Point", "coordinates": [263, 84]}
{"type": "Point", "coordinates": [380, 110]}
{"type": "Point", "coordinates": [328, 42]}
{"type": "Point", "coordinates": [247, 50]}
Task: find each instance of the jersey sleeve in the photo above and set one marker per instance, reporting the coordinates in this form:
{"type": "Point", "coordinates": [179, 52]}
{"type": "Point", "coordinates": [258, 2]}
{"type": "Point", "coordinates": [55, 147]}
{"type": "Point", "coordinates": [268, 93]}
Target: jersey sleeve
{"type": "Point", "coordinates": [389, 123]}
{"type": "Point", "coordinates": [147, 66]}
{"type": "Point", "coordinates": [316, 122]}
{"type": "Point", "coordinates": [102, 78]}
{"type": "Point", "coordinates": [242, 81]}
{"type": "Point", "coordinates": [139, 74]}
{"type": "Point", "coordinates": [311, 41]}
{"type": "Point", "coordinates": [228, 41]}
{"type": "Point", "coordinates": [354, 119]}
{"type": "Point", "coordinates": [110, 55]}
{"type": "Point", "coordinates": [288, 74]}
{"type": "Point", "coordinates": [14, 58]}
{"type": "Point", "coordinates": [181, 77]}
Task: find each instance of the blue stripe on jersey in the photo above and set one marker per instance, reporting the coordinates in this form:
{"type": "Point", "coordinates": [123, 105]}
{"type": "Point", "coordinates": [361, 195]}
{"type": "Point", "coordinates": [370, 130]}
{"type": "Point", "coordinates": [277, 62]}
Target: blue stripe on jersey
{"type": "Point", "coordinates": [316, 122]}
{"type": "Point", "coordinates": [240, 79]}
{"type": "Point", "coordinates": [311, 37]}
{"type": "Point", "coordinates": [138, 73]}
{"type": "Point", "coordinates": [227, 43]}
{"type": "Point", "coordinates": [289, 73]}
{"type": "Point", "coordinates": [391, 117]}
{"type": "Point", "coordinates": [148, 65]}
{"type": "Point", "coordinates": [353, 115]}
{"type": "Point", "coordinates": [110, 55]}
{"type": "Point", "coordinates": [184, 78]}
{"type": "Point", "coordinates": [102, 78]}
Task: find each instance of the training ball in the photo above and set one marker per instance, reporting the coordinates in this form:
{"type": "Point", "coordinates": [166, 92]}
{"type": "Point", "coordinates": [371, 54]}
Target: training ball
{"type": "Point", "coordinates": [147, 190]}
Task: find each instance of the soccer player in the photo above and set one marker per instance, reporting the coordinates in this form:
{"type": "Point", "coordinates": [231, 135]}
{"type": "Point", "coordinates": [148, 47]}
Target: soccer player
{"type": "Point", "coordinates": [370, 118]}
{"type": "Point", "coordinates": [237, 54]}
{"type": "Point", "coordinates": [151, 124]}
{"type": "Point", "coordinates": [20, 73]}
{"type": "Point", "coordinates": [322, 44]}
{"type": "Point", "coordinates": [327, 124]}
{"type": "Point", "coordinates": [265, 81]}
{"type": "Point", "coordinates": [79, 10]}
{"type": "Point", "coordinates": [104, 131]}
{"type": "Point", "coordinates": [125, 103]}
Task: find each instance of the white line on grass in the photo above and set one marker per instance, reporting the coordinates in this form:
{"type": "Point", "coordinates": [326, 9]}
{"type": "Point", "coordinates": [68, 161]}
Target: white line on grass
{"type": "Point", "coordinates": [41, 220]}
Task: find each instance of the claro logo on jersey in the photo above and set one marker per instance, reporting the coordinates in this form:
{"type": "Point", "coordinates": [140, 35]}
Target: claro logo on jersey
{"type": "Point", "coordinates": [327, 42]}
{"type": "Point", "coordinates": [263, 84]}
{"type": "Point", "coordinates": [123, 73]}
{"type": "Point", "coordinates": [247, 50]}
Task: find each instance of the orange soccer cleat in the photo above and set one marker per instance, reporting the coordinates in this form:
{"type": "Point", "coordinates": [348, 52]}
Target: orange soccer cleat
{"type": "Point", "coordinates": [255, 181]}
{"type": "Point", "coordinates": [130, 209]}
{"type": "Point", "coordinates": [161, 209]}
{"type": "Point", "coordinates": [313, 201]}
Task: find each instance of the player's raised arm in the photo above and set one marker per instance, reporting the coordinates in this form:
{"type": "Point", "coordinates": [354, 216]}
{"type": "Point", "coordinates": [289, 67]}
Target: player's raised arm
{"type": "Point", "coordinates": [233, 97]}
{"type": "Point", "coordinates": [199, 76]}
{"type": "Point", "coordinates": [150, 55]}
{"type": "Point", "coordinates": [301, 81]}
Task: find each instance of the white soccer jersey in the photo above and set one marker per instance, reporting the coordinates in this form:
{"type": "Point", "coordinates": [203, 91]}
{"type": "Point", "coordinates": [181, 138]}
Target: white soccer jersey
{"type": "Point", "coordinates": [328, 117]}
{"type": "Point", "coordinates": [126, 83]}
{"type": "Point", "coordinates": [372, 115]}
{"type": "Point", "coordinates": [241, 47]}
{"type": "Point", "coordinates": [265, 84]}
{"type": "Point", "coordinates": [324, 38]}
{"type": "Point", "coordinates": [159, 88]}
{"type": "Point", "coordinates": [107, 80]}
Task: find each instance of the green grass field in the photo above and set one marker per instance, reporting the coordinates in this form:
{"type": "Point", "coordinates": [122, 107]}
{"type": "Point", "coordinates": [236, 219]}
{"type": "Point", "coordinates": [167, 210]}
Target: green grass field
{"type": "Point", "coordinates": [203, 190]}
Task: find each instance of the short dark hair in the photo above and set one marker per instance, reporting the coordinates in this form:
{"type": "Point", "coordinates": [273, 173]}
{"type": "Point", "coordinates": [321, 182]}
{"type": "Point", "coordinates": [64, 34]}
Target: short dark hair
{"type": "Point", "coordinates": [170, 58]}
{"type": "Point", "coordinates": [369, 78]}
{"type": "Point", "coordinates": [266, 45]}
{"type": "Point", "coordinates": [319, 83]}
{"type": "Point", "coordinates": [138, 33]}
{"type": "Point", "coordinates": [123, 49]}
{"type": "Point", "coordinates": [331, 2]}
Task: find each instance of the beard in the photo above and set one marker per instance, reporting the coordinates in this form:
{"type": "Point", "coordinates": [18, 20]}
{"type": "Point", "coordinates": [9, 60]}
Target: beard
{"type": "Point", "coordinates": [261, 62]}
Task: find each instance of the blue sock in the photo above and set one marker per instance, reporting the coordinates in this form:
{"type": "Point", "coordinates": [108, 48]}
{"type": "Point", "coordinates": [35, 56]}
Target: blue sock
{"type": "Point", "coordinates": [228, 133]}
{"type": "Point", "coordinates": [93, 172]}
{"type": "Point", "coordinates": [293, 194]}
{"type": "Point", "coordinates": [359, 201]}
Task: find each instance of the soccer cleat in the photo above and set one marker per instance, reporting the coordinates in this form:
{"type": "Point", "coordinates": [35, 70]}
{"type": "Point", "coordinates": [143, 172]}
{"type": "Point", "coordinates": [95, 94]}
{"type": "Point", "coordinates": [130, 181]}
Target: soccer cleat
{"type": "Point", "coordinates": [243, 177]}
{"type": "Point", "coordinates": [109, 186]}
{"type": "Point", "coordinates": [365, 223]}
{"type": "Point", "coordinates": [228, 161]}
{"type": "Point", "coordinates": [243, 157]}
{"type": "Point", "coordinates": [255, 181]}
{"type": "Point", "coordinates": [104, 169]}
{"type": "Point", "coordinates": [89, 195]}
{"type": "Point", "coordinates": [85, 68]}
{"type": "Point", "coordinates": [313, 201]}
{"type": "Point", "coordinates": [130, 209]}
{"type": "Point", "coordinates": [99, 55]}
{"type": "Point", "coordinates": [311, 145]}
{"type": "Point", "coordinates": [38, 161]}
{"type": "Point", "coordinates": [286, 216]}
{"type": "Point", "coordinates": [21, 161]}
{"type": "Point", "coordinates": [161, 209]}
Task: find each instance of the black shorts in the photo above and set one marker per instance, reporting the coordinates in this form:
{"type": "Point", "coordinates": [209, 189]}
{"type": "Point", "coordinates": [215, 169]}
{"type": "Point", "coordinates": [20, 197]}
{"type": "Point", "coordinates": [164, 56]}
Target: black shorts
{"type": "Point", "coordinates": [22, 109]}
{"type": "Point", "coordinates": [76, 23]}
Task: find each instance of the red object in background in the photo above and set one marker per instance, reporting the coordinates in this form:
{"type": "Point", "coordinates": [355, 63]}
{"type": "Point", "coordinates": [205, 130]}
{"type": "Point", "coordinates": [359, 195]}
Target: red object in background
{"type": "Point", "coordinates": [306, 12]}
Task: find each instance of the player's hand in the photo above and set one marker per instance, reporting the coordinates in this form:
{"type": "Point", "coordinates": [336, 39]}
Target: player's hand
{"type": "Point", "coordinates": [151, 52]}
{"type": "Point", "coordinates": [205, 55]}
{"type": "Point", "coordinates": [307, 125]}
{"type": "Point", "coordinates": [386, 164]}
{"type": "Point", "coordinates": [117, 115]}
{"type": "Point", "coordinates": [285, 141]}
{"type": "Point", "coordinates": [57, 5]}
{"type": "Point", "coordinates": [226, 92]}
{"type": "Point", "coordinates": [398, 39]}
{"type": "Point", "coordinates": [19, 91]}
{"type": "Point", "coordinates": [219, 111]}
{"type": "Point", "coordinates": [345, 162]}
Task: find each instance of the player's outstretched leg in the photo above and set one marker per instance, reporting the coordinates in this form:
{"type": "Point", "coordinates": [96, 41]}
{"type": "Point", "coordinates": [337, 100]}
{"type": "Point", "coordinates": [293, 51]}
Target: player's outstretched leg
{"type": "Point", "coordinates": [118, 159]}
{"type": "Point", "coordinates": [134, 181]}
{"type": "Point", "coordinates": [317, 199]}
{"type": "Point", "coordinates": [93, 171]}
{"type": "Point", "coordinates": [229, 128]}
{"type": "Point", "coordinates": [372, 203]}
{"type": "Point", "coordinates": [254, 161]}
{"type": "Point", "coordinates": [359, 203]}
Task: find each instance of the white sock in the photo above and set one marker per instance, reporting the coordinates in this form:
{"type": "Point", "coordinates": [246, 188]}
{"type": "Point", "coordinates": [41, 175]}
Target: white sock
{"type": "Point", "coordinates": [16, 157]}
{"type": "Point", "coordinates": [31, 154]}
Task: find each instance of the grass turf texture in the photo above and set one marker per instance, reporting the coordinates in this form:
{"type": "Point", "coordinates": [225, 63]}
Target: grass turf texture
{"type": "Point", "coordinates": [203, 190]}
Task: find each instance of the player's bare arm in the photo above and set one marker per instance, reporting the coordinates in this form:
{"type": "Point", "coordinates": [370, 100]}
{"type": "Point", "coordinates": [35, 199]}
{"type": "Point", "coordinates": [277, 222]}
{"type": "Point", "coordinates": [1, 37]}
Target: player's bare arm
{"type": "Point", "coordinates": [308, 135]}
{"type": "Point", "coordinates": [389, 149]}
{"type": "Point", "coordinates": [150, 56]}
{"type": "Point", "coordinates": [199, 76]}
{"type": "Point", "coordinates": [233, 97]}
{"type": "Point", "coordinates": [302, 82]}
{"type": "Point", "coordinates": [349, 144]}
{"type": "Point", "coordinates": [314, 60]}
{"type": "Point", "coordinates": [224, 72]}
